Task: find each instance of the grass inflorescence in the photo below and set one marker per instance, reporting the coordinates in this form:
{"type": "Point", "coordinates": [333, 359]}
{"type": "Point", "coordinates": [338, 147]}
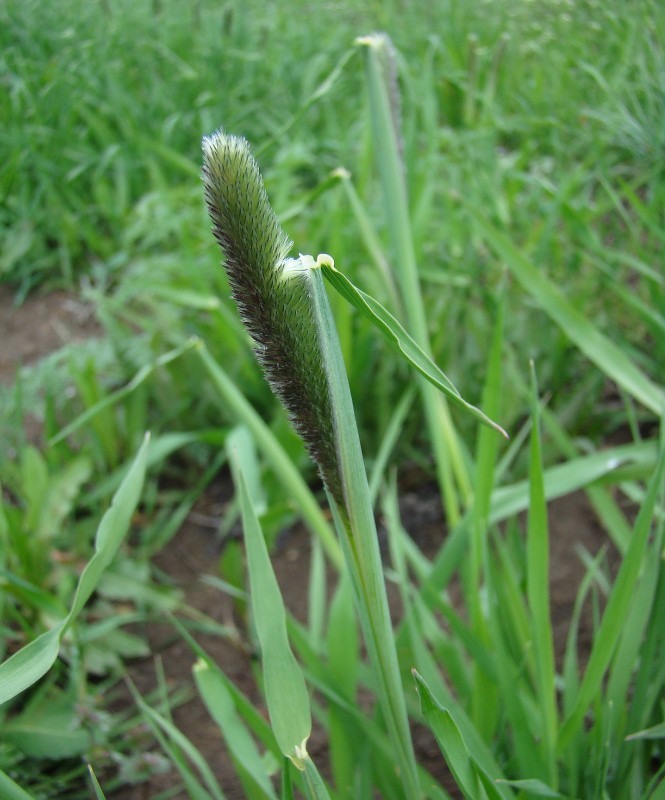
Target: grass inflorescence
{"type": "Point", "coordinates": [275, 307]}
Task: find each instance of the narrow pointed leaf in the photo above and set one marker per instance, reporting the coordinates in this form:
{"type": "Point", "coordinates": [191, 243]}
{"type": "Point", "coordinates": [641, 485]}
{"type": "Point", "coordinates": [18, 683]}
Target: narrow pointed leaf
{"type": "Point", "coordinates": [111, 532]}
{"type": "Point", "coordinates": [179, 747]}
{"type": "Point", "coordinates": [458, 757]}
{"type": "Point", "coordinates": [397, 337]}
{"type": "Point", "coordinates": [219, 703]}
{"type": "Point", "coordinates": [285, 689]}
{"type": "Point", "coordinates": [577, 473]}
{"type": "Point", "coordinates": [616, 610]}
{"type": "Point", "coordinates": [239, 407]}
{"type": "Point", "coordinates": [116, 397]}
{"type": "Point", "coordinates": [656, 732]}
{"type": "Point", "coordinates": [538, 561]}
{"type": "Point", "coordinates": [32, 662]}
{"type": "Point", "coordinates": [99, 794]}
{"type": "Point", "coordinates": [533, 787]}
{"type": "Point", "coordinates": [9, 790]}
{"type": "Point", "coordinates": [315, 788]}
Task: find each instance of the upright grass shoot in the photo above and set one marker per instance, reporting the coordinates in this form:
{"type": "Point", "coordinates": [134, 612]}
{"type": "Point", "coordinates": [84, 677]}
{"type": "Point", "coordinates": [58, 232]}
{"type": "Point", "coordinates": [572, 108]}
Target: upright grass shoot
{"type": "Point", "coordinates": [286, 309]}
{"type": "Point", "coordinates": [385, 118]}
{"type": "Point", "coordinates": [284, 304]}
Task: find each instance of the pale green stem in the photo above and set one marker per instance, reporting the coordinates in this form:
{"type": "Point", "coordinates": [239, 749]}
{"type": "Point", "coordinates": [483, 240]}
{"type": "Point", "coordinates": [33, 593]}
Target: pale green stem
{"type": "Point", "coordinates": [359, 539]}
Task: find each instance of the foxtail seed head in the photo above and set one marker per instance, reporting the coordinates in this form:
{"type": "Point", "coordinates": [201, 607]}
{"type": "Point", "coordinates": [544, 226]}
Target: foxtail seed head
{"type": "Point", "coordinates": [272, 293]}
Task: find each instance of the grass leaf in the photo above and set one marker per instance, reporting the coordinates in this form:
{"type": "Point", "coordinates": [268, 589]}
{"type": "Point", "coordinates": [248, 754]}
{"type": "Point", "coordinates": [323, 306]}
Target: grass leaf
{"type": "Point", "coordinates": [315, 788]}
{"type": "Point", "coordinates": [10, 790]}
{"type": "Point", "coordinates": [236, 405]}
{"type": "Point", "coordinates": [655, 732]}
{"type": "Point", "coordinates": [455, 751]}
{"type": "Point", "coordinates": [538, 590]}
{"type": "Point", "coordinates": [285, 689]}
{"type": "Point", "coordinates": [181, 750]}
{"type": "Point", "coordinates": [533, 787]}
{"type": "Point", "coordinates": [395, 335]}
{"type": "Point", "coordinates": [99, 794]}
{"type": "Point", "coordinates": [219, 703]}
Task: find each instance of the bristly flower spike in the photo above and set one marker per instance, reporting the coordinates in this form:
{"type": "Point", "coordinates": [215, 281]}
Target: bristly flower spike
{"type": "Point", "coordinates": [272, 292]}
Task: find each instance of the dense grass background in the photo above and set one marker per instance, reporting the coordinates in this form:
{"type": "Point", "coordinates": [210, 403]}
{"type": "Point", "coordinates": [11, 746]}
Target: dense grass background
{"type": "Point", "coordinates": [543, 118]}
{"type": "Point", "coordinates": [546, 115]}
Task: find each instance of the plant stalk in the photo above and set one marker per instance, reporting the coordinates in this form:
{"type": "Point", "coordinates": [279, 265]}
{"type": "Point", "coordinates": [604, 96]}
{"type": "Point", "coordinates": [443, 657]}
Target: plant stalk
{"type": "Point", "coordinates": [357, 530]}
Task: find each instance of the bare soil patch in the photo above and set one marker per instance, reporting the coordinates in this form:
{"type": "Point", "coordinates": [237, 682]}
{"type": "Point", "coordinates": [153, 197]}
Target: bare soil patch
{"type": "Point", "coordinates": [42, 324]}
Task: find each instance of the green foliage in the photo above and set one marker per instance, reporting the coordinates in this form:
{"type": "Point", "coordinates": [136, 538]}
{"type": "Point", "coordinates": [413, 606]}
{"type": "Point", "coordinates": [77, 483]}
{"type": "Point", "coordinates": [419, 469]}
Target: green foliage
{"type": "Point", "coordinates": [56, 724]}
{"type": "Point", "coordinates": [512, 659]}
{"type": "Point", "coordinates": [26, 666]}
{"type": "Point", "coordinates": [493, 180]}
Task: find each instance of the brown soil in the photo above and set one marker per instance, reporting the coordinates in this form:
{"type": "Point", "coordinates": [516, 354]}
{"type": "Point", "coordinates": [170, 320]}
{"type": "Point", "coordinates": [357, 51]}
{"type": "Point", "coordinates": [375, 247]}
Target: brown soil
{"type": "Point", "coordinates": [45, 323]}
{"type": "Point", "coordinates": [42, 324]}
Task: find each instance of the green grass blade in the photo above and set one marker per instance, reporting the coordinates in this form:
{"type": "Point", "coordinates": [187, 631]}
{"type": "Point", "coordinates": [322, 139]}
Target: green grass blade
{"type": "Point", "coordinates": [315, 788]}
{"type": "Point", "coordinates": [654, 732]}
{"type": "Point", "coordinates": [389, 440]}
{"type": "Point", "coordinates": [395, 335]}
{"type": "Point", "coordinates": [386, 136]}
{"type": "Point", "coordinates": [370, 237]}
{"type": "Point", "coordinates": [111, 532]}
{"type": "Point", "coordinates": [112, 398]}
{"type": "Point", "coordinates": [533, 788]}
{"type": "Point", "coordinates": [9, 790]}
{"type": "Point", "coordinates": [240, 445]}
{"type": "Point", "coordinates": [485, 694]}
{"type": "Point", "coordinates": [430, 674]}
{"type": "Point", "coordinates": [321, 90]}
{"type": "Point", "coordinates": [317, 595]}
{"type": "Point", "coordinates": [287, 781]}
{"type": "Point", "coordinates": [343, 648]}
{"type": "Point", "coordinates": [571, 672]}
{"type": "Point", "coordinates": [284, 685]}
{"type": "Point", "coordinates": [458, 757]}
{"type": "Point", "coordinates": [618, 604]}
{"type": "Point", "coordinates": [629, 651]}
{"type": "Point", "coordinates": [606, 355]}
{"type": "Point", "coordinates": [99, 794]}
{"type": "Point", "coordinates": [572, 475]}
{"type": "Point", "coordinates": [219, 703]}
{"type": "Point", "coordinates": [659, 791]}
{"type": "Point", "coordinates": [181, 751]}
{"type": "Point", "coordinates": [538, 561]}
{"type": "Point", "coordinates": [29, 664]}
{"type": "Point", "coordinates": [161, 447]}
{"type": "Point", "coordinates": [252, 717]}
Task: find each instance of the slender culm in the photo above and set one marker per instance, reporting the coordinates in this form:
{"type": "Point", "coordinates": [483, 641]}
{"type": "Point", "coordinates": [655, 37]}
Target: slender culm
{"type": "Point", "coordinates": [272, 295]}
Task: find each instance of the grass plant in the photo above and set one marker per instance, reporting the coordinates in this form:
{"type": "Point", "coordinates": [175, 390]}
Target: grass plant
{"type": "Point", "coordinates": [488, 178]}
{"type": "Point", "coordinates": [269, 290]}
